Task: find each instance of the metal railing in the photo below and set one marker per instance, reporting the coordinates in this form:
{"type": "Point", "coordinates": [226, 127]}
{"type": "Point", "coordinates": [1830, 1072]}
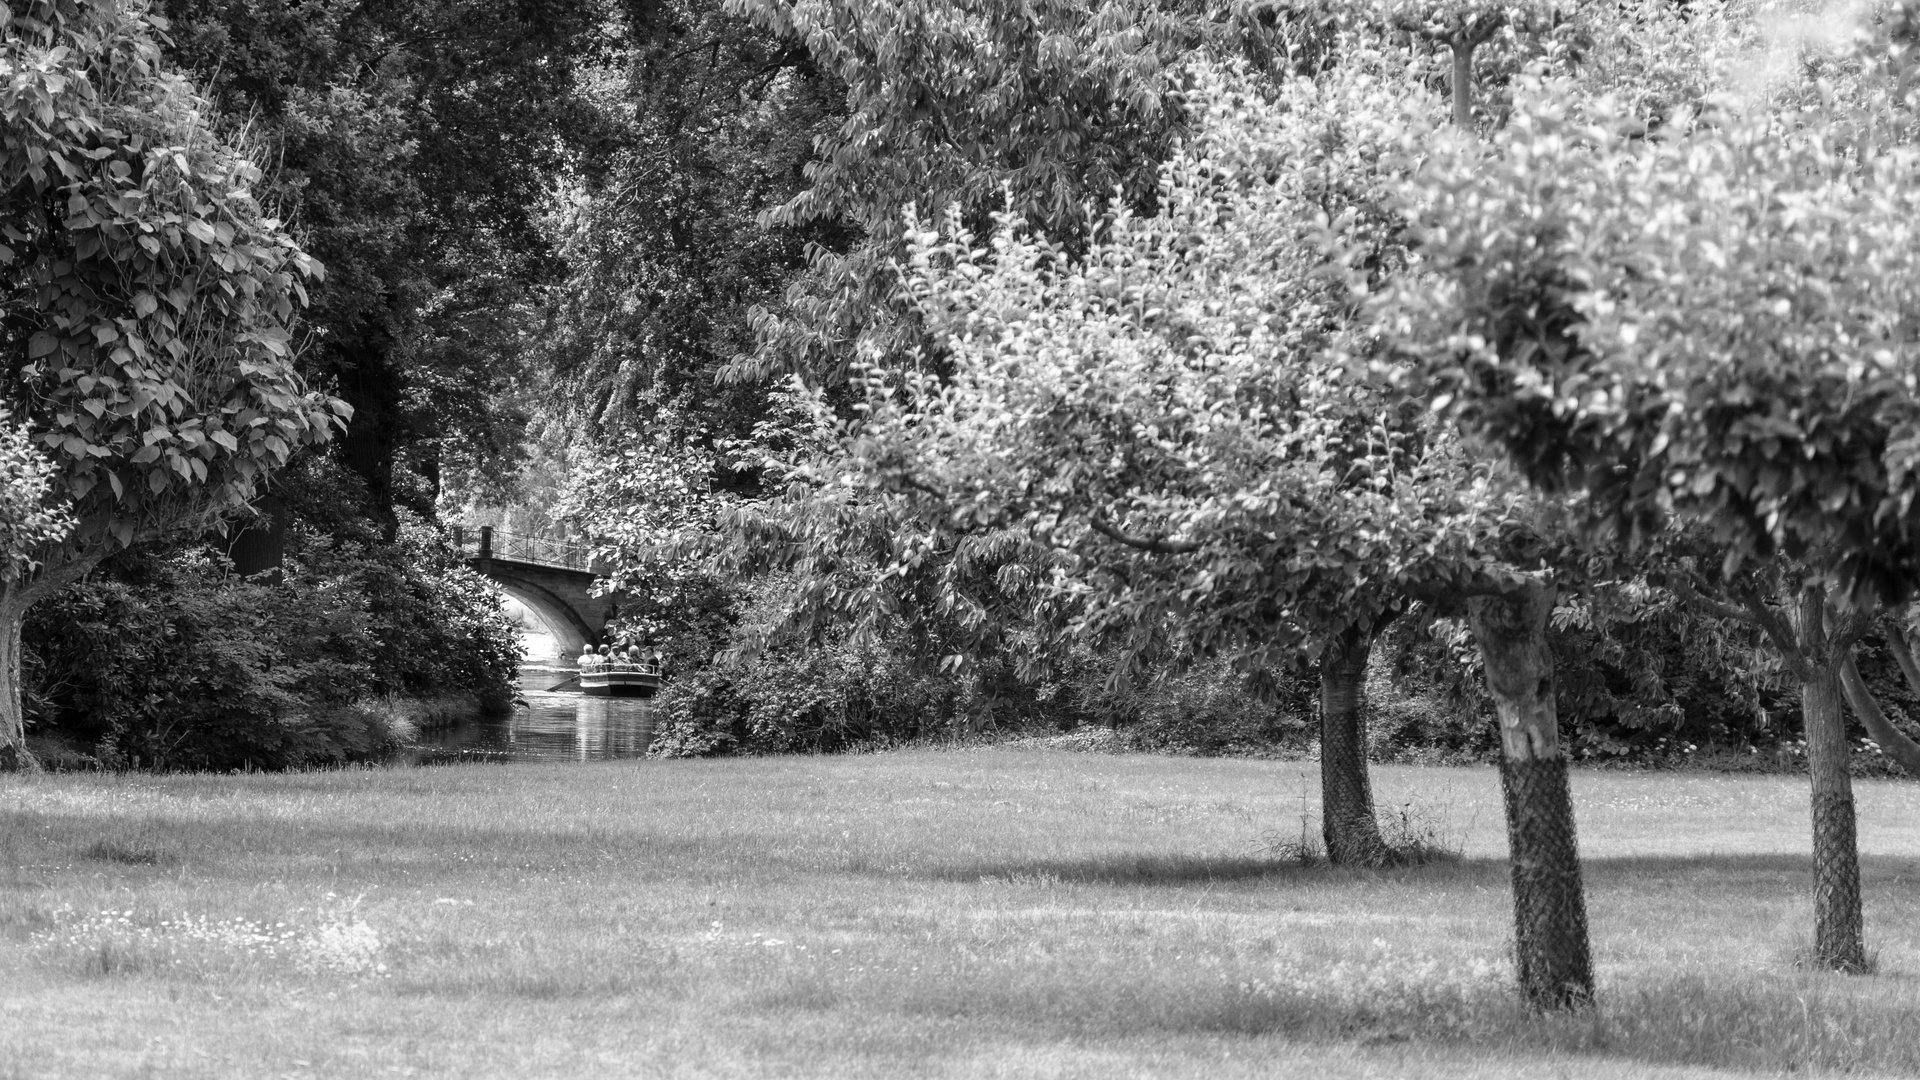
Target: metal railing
{"type": "Point", "coordinates": [485, 543]}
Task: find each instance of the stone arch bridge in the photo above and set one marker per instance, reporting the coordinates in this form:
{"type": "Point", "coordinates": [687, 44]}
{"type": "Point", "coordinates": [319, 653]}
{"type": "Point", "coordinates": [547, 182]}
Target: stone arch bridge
{"type": "Point", "coordinates": [552, 578]}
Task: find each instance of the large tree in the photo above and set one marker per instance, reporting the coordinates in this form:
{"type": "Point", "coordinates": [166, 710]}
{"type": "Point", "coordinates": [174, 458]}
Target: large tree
{"type": "Point", "coordinates": [1164, 400]}
{"type": "Point", "coordinates": [1711, 322]}
{"type": "Point", "coordinates": [147, 309]}
{"type": "Point", "coordinates": [413, 147]}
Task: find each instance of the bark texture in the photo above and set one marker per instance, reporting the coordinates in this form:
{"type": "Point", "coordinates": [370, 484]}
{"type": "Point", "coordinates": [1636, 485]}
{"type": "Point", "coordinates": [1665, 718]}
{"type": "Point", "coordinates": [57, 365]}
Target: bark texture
{"type": "Point", "coordinates": [1817, 647]}
{"type": "Point", "coordinates": [1347, 820]}
{"type": "Point", "coordinates": [1839, 941]}
{"type": "Point", "coordinates": [1549, 900]}
{"type": "Point", "coordinates": [14, 756]}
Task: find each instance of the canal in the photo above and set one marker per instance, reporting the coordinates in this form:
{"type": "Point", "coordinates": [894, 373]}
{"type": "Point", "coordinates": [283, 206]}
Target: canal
{"type": "Point", "coordinates": [554, 725]}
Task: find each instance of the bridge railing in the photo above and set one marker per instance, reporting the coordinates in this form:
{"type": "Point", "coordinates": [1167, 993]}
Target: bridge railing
{"type": "Point", "coordinates": [486, 542]}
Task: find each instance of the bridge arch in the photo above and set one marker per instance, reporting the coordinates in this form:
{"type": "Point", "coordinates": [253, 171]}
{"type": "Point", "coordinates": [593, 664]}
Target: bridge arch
{"type": "Point", "coordinates": [553, 580]}
{"type": "Point", "coordinates": [571, 632]}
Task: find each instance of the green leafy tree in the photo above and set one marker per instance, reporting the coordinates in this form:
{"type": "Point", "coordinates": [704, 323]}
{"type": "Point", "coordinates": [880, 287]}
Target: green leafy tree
{"type": "Point", "coordinates": [1708, 323]}
{"type": "Point", "coordinates": [1167, 404]}
{"type": "Point", "coordinates": [147, 305]}
{"type": "Point", "coordinates": [1050, 105]}
{"type": "Point", "coordinates": [413, 148]}
{"type": "Point", "coordinates": [703, 124]}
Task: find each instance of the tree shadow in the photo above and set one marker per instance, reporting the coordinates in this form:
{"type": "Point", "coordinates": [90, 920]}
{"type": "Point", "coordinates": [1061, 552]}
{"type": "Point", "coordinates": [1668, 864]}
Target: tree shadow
{"type": "Point", "coordinates": [1126, 870]}
{"type": "Point", "coordinates": [1176, 870]}
{"type": "Point", "coordinates": [1621, 868]}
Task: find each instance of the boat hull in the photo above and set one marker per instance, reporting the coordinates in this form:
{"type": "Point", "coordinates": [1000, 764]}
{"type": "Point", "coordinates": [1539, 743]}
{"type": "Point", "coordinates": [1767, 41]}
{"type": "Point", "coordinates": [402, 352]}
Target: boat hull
{"type": "Point", "coordinates": [620, 684]}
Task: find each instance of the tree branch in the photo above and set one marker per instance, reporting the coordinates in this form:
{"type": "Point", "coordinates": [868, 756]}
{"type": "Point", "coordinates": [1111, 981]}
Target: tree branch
{"type": "Point", "coordinates": [1845, 631]}
{"type": "Point", "coordinates": [1903, 750]}
{"type": "Point", "coordinates": [1683, 587]}
{"type": "Point", "coordinates": [1780, 632]}
{"type": "Point", "coordinates": [1158, 547]}
{"type": "Point", "coordinates": [1902, 651]}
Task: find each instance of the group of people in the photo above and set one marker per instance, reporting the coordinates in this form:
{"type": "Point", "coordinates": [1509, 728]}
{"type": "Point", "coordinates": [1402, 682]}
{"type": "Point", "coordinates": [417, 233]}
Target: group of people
{"type": "Point", "coordinates": [610, 655]}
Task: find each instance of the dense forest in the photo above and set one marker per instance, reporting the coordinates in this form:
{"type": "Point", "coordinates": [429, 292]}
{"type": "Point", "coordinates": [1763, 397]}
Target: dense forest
{"type": "Point", "coordinates": [1513, 381]}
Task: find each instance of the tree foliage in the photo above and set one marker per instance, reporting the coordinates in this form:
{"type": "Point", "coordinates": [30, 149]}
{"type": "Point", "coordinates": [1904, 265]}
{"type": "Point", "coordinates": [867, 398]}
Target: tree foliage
{"type": "Point", "coordinates": [149, 297]}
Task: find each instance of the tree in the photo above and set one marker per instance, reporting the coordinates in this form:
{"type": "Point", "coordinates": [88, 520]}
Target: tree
{"type": "Point", "coordinates": [1164, 401]}
{"type": "Point", "coordinates": [413, 145]}
{"type": "Point", "coordinates": [1051, 105]}
{"type": "Point", "coordinates": [147, 310]}
{"type": "Point", "coordinates": [1711, 323]}
{"type": "Point", "coordinates": [703, 124]}
{"type": "Point", "coordinates": [1462, 27]}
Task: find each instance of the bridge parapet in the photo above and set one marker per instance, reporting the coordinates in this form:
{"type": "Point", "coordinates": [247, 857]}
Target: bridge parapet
{"type": "Point", "coordinates": [486, 543]}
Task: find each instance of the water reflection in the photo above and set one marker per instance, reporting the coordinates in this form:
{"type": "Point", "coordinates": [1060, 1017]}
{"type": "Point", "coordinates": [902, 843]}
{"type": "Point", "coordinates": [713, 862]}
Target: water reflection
{"type": "Point", "coordinates": [556, 725]}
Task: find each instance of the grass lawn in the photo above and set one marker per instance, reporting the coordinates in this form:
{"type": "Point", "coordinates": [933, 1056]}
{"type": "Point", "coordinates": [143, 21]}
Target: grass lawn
{"type": "Point", "coordinates": [978, 913]}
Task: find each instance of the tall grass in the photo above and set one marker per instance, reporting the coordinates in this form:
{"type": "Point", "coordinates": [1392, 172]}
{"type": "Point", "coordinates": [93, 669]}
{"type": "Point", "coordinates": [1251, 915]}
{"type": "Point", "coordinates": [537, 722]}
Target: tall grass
{"type": "Point", "coordinates": [989, 912]}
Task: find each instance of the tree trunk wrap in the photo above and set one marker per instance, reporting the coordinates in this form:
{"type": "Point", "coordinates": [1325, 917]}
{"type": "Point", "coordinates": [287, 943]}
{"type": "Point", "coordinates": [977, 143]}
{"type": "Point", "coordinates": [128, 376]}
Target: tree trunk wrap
{"type": "Point", "coordinates": [1839, 941]}
{"type": "Point", "coordinates": [1347, 820]}
{"type": "Point", "coordinates": [1904, 751]}
{"type": "Point", "coordinates": [1549, 900]}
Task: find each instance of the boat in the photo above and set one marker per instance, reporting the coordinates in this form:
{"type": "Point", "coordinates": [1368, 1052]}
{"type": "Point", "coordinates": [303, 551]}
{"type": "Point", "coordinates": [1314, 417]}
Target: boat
{"type": "Point", "coordinates": [620, 679]}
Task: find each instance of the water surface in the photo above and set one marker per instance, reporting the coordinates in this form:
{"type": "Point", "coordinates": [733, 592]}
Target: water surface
{"type": "Point", "coordinates": [554, 725]}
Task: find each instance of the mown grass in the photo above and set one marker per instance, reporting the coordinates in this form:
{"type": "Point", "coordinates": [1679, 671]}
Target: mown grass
{"type": "Point", "coordinates": [924, 914]}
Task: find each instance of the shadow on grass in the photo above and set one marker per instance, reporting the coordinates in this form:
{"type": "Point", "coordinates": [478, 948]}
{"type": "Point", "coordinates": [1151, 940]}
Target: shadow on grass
{"type": "Point", "coordinates": [1771, 865]}
{"type": "Point", "coordinates": [1176, 870]}
{"type": "Point", "coordinates": [1166, 869]}
{"type": "Point", "coordinates": [129, 852]}
{"type": "Point", "coordinates": [1123, 870]}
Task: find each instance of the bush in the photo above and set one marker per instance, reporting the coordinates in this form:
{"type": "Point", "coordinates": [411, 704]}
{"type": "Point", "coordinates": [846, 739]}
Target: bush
{"type": "Point", "coordinates": [1213, 709]}
{"type": "Point", "coordinates": [170, 661]}
{"type": "Point", "coordinates": [818, 699]}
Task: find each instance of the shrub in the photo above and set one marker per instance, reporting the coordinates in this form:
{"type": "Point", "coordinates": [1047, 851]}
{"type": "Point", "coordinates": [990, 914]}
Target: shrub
{"type": "Point", "coordinates": [170, 661]}
{"type": "Point", "coordinates": [1213, 709]}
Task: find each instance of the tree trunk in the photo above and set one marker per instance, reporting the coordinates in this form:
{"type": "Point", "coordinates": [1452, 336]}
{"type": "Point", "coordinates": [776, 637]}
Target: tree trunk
{"type": "Point", "coordinates": [1817, 648]}
{"type": "Point", "coordinates": [1894, 742]}
{"type": "Point", "coordinates": [1837, 937]}
{"type": "Point", "coordinates": [60, 569]}
{"type": "Point", "coordinates": [1347, 820]}
{"type": "Point", "coordinates": [1462, 83]}
{"type": "Point", "coordinates": [1549, 901]}
{"type": "Point", "coordinates": [14, 756]}
{"type": "Point", "coordinates": [1838, 941]}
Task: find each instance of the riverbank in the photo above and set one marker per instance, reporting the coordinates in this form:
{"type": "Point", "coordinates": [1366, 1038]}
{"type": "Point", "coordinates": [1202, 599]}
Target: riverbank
{"type": "Point", "coordinates": [986, 912]}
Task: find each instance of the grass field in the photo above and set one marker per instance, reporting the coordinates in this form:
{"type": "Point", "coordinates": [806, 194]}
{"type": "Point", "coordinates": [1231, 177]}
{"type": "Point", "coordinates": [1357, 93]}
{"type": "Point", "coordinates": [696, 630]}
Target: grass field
{"type": "Point", "coordinates": [979, 913]}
